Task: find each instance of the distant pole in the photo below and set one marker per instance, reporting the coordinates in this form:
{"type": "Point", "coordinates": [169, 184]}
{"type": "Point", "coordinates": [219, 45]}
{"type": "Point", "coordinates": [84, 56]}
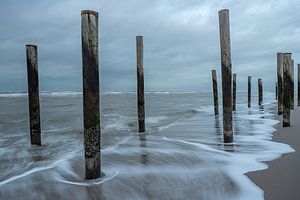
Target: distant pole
{"type": "Point", "coordinates": [298, 84]}
{"type": "Point", "coordinates": [293, 88]}
{"type": "Point", "coordinates": [276, 91]}
{"type": "Point", "coordinates": [215, 91]}
{"type": "Point", "coordinates": [140, 83]}
{"type": "Point", "coordinates": [33, 94]}
{"type": "Point", "coordinates": [287, 81]}
{"type": "Point", "coordinates": [260, 92]}
{"type": "Point", "coordinates": [226, 74]}
{"type": "Point", "coordinates": [234, 92]}
{"type": "Point", "coordinates": [249, 91]}
{"type": "Point", "coordinates": [91, 113]}
{"type": "Point", "coordinates": [280, 82]}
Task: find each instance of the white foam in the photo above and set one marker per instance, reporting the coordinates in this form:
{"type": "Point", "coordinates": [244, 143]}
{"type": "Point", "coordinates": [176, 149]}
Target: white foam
{"type": "Point", "coordinates": [98, 181]}
{"type": "Point", "coordinates": [38, 169]}
{"type": "Point", "coordinates": [155, 119]}
{"type": "Point", "coordinates": [13, 94]}
{"type": "Point", "coordinates": [161, 128]}
{"type": "Point", "coordinates": [61, 94]}
{"type": "Point", "coordinates": [111, 93]}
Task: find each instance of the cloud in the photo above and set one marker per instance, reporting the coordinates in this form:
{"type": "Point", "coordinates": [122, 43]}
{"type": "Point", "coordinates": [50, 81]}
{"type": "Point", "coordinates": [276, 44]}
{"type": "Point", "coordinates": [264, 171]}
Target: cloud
{"type": "Point", "coordinates": [181, 40]}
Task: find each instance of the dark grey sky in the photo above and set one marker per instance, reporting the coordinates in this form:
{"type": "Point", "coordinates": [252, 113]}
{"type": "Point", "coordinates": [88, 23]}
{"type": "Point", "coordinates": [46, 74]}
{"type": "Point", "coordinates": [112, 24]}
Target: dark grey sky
{"type": "Point", "coordinates": [181, 41]}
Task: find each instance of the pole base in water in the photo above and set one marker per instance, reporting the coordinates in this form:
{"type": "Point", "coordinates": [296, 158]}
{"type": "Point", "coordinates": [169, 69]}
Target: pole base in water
{"type": "Point", "coordinates": [228, 137]}
{"type": "Point", "coordinates": [92, 167]}
{"type": "Point", "coordinates": [286, 124]}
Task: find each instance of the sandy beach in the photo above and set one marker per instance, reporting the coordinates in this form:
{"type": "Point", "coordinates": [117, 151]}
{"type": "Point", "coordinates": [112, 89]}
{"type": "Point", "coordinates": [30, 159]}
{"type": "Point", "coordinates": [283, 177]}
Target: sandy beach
{"type": "Point", "coordinates": [282, 179]}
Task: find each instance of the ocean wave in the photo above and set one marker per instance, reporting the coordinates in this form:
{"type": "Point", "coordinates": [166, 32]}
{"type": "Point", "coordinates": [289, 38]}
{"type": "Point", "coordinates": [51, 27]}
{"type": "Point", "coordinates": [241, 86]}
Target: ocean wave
{"type": "Point", "coordinates": [13, 94]}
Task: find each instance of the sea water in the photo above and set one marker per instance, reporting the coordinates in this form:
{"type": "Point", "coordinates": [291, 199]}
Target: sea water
{"type": "Point", "coordinates": [181, 155]}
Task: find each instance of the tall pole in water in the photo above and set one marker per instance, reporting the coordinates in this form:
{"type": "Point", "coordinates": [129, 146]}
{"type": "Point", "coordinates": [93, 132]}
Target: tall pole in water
{"type": "Point", "coordinates": [215, 91]}
{"type": "Point", "coordinates": [226, 74]}
{"type": "Point", "coordinates": [276, 91]}
{"type": "Point", "coordinates": [260, 92]}
{"type": "Point", "coordinates": [287, 81]}
{"type": "Point", "coordinates": [298, 84]}
{"type": "Point", "coordinates": [33, 94]}
{"type": "Point", "coordinates": [280, 82]}
{"type": "Point", "coordinates": [234, 92]}
{"type": "Point", "coordinates": [293, 88]}
{"type": "Point", "coordinates": [249, 91]}
{"type": "Point", "coordinates": [91, 108]}
{"type": "Point", "coordinates": [140, 83]}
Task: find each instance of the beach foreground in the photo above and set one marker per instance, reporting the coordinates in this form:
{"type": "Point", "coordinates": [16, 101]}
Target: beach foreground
{"type": "Point", "coordinates": [181, 155]}
{"type": "Point", "coordinates": [282, 179]}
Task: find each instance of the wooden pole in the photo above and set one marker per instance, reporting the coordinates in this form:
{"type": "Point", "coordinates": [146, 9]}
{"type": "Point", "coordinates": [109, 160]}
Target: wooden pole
{"type": "Point", "coordinates": [287, 85]}
{"type": "Point", "coordinates": [276, 91]}
{"type": "Point", "coordinates": [293, 88]}
{"type": "Point", "coordinates": [215, 91]}
{"type": "Point", "coordinates": [91, 108]}
{"type": "Point", "coordinates": [260, 92]}
{"type": "Point", "coordinates": [226, 74]}
{"type": "Point", "coordinates": [33, 94]}
{"type": "Point", "coordinates": [249, 91]}
{"type": "Point", "coordinates": [140, 83]}
{"type": "Point", "coordinates": [280, 82]}
{"type": "Point", "coordinates": [234, 92]}
{"type": "Point", "coordinates": [298, 84]}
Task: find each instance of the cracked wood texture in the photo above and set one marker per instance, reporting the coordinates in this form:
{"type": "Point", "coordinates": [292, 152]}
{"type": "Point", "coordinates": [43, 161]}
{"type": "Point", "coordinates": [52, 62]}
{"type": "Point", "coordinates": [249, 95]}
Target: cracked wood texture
{"type": "Point", "coordinates": [215, 91]}
{"type": "Point", "coordinates": [287, 86]}
{"type": "Point", "coordinates": [249, 91]}
{"type": "Point", "coordinates": [234, 92]}
{"type": "Point", "coordinates": [140, 83]}
{"type": "Point", "coordinates": [33, 94]}
{"type": "Point", "coordinates": [226, 74]}
{"type": "Point", "coordinates": [298, 84]}
{"type": "Point", "coordinates": [280, 82]}
{"type": "Point", "coordinates": [260, 92]}
{"type": "Point", "coordinates": [91, 109]}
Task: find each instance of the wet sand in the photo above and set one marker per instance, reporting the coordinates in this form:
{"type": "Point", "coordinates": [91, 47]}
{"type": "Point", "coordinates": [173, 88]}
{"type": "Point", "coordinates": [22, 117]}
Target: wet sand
{"type": "Point", "coordinates": [282, 179]}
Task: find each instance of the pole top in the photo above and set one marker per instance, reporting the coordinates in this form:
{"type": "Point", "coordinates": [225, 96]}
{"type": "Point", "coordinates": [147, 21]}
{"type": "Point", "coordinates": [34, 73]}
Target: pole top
{"type": "Point", "coordinates": [31, 45]}
{"type": "Point", "coordinates": [89, 12]}
{"type": "Point", "coordinates": [224, 10]}
{"type": "Point", "coordinates": [139, 36]}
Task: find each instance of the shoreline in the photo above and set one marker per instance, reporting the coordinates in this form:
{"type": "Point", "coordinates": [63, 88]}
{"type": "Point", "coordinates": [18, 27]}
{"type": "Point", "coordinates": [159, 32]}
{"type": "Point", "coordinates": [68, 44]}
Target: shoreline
{"type": "Point", "coordinates": [281, 180]}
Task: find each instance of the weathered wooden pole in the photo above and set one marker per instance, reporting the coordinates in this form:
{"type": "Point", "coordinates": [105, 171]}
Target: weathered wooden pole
{"type": "Point", "coordinates": [287, 85]}
{"type": "Point", "coordinates": [234, 92]}
{"type": "Point", "coordinates": [140, 83]}
{"type": "Point", "coordinates": [226, 74]}
{"type": "Point", "coordinates": [276, 91]}
{"type": "Point", "coordinates": [260, 92]}
{"type": "Point", "coordinates": [280, 81]}
{"type": "Point", "coordinates": [215, 91]}
{"type": "Point", "coordinates": [33, 94]}
{"type": "Point", "coordinates": [298, 84]}
{"type": "Point", "coordinates": [293, 88]}
{"type": "Point", "coordinates": [91, 109]}
{"type": "Point", "coordinates": [249, 91]}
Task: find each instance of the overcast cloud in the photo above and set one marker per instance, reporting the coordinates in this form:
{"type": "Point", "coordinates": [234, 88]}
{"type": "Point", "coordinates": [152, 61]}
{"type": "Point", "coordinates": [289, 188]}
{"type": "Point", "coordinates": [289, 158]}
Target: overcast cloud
{"type": "Point", "coordinates": [181, 42]}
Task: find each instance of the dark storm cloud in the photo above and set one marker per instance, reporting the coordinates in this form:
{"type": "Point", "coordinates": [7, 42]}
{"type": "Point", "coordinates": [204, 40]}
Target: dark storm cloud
{"type": "Point", "coordinates": [181, 40]}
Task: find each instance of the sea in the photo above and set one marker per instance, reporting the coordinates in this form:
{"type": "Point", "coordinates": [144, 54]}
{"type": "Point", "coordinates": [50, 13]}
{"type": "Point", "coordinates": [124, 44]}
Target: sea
{"type": "Point", "coordinates": [180, 156]}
